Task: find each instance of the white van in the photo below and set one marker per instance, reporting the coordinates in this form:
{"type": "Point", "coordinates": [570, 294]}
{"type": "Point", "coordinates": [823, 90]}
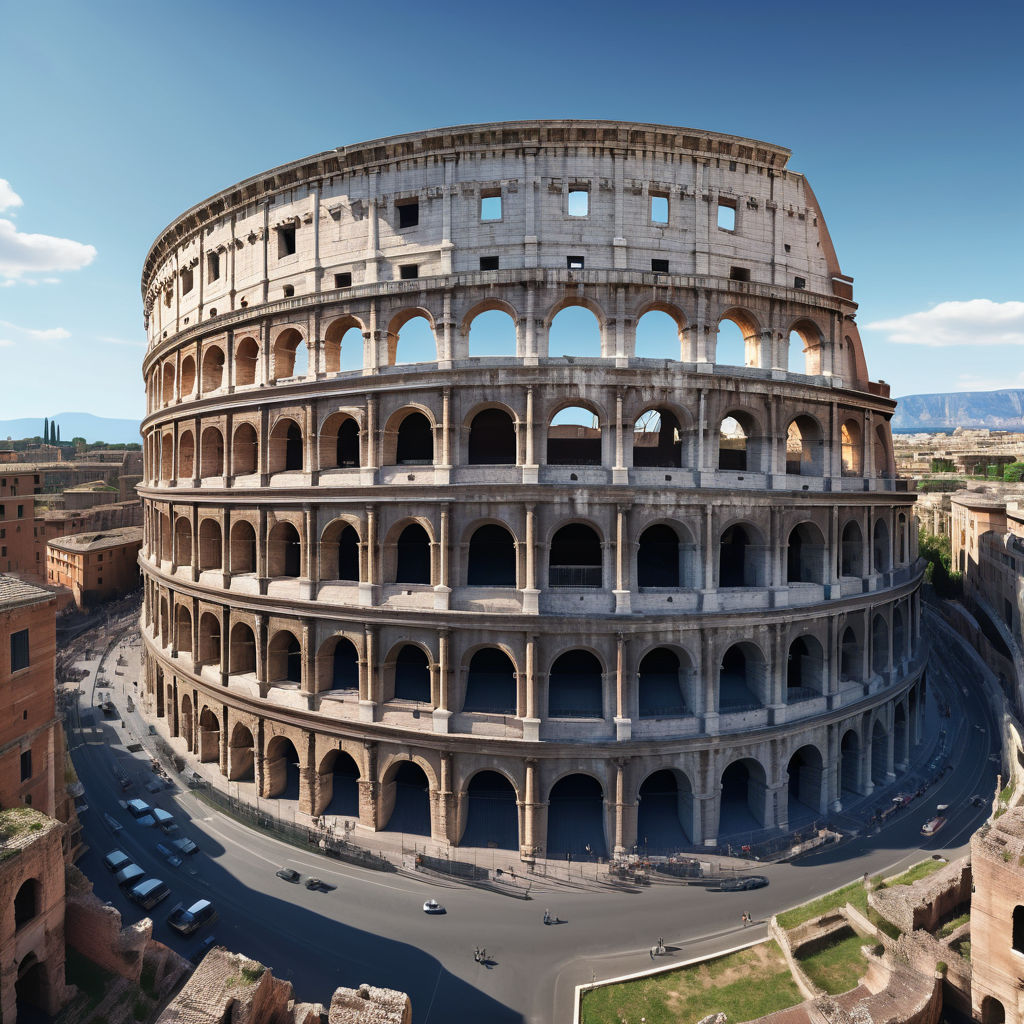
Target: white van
{"type": "Point", "coordinates": [116, 859]}
{"type": "Point", "coordinates": [149, 893]}
{"type": "Point", "coordinates": [129, 875]}
{"type": "Point", "coordinates": [164, 820]}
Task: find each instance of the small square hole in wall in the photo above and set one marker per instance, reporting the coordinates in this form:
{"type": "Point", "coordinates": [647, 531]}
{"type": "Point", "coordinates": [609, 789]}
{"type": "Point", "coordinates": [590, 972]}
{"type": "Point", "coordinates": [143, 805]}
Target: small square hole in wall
{"type": "Point", "coordinates": [659, 266]}
{"type": "Point", "coordinates": [285, 242]}
{"type": "Point", "coordinates": [343, 280]}
{"type": "Point", "coordinates": [213, 266]}
{"type": "Point", "coordinates": [409, 271]}
{"type": "Point", "coordinates": [490, 207]}
{"type": "Point", "coordinates": [289, 290]}
{"type": "Point", "coordinates": [409, 214]}
{"type": "Point", "coordinates": [579, 202]}
{"type": "Point", "coordinates": [739, 274]}
{"type": "Point", "coordinates": [574, 262]}
{"type": "Point", "coordinates": [799, 282]}
{"type": "Point", "coordinates": [659, 209]}
{"type": "Point", "coordinates": [488, 262]}
{"type": "Point", "coordinates": [787, 246]}
{"type": "Point", "coordinates": [726, 217]}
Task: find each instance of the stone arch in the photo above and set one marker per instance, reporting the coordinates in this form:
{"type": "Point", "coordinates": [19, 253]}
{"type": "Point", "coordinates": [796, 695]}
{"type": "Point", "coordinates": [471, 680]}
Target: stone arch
{"type": "Point", "coordinates": [213, 368]}
{"type": "Point", "coordinates": [576, 685]}
{"type": "Point", "coordinates": [851, 549]}
{"type": "Point", "coordinates": [882, 451]}
{"type": "Point", "coordinates": [286, 452]}
{"type": "Point", "coordinates": [491, 818]}
{"type": "Point", "coordinates": [573, 442]}
{"type": "Point", "coordinates": [337, 665]}
{"type": "Point", "coordinates": [187, 382]}
{"type": "Point", "coordinates": [483, 319]}
{"type": "Point", "coordinates": [183, 540]}
{"type": "Point", "coordinates": [339, 550]}
{"type": "Point", "coordinates": [805, 447]}
{"type": "Point", "coordinates": [668, 344]}
{"type": "Point", "coordinates": [575, 557]}
{"type": "Point", "coordinates": [211, 457]}
{"type": "Point", "coordinates": [741, 443]}
{"type": "Point", "coordinates": [491, 560]}
{"type": "Point", "coordinates": [879, 644]}
{"type": "Point", "coordinates": [992, 1010]}
{"type": "Point", "coordinates": [401, 320]}
{"type": "Point", "coordinates": [665, 683]}
{"type": "Point", "coordinates": [209, 639]}
{"type": "Point", "coordinates": [245, 450]}
{"type": "Point", "coordinates": [242, 547]}
{"type": "Point", "coordinates": [242, 649]}
{"type": "Point", "coordinates": [591, 347]}
{"type": "Point", "coordinates": [166, 456]}
{"type": "Point", "coordinates": [880, 550]}
{"type": "Point", "coordinates": [805, 773]}
{"type": "Point", "coordinates": [281, 769]}
{"type": "Point", "coordinates": [284, 659]}
{"type": "Point", "coordinates": [492, 437]}
{"type": "Point", "coordinates": [247, 362]}
{"type": "Point", "coordinates": [211, 548]}
{"type": "Point", "coordinates": [209, 736]}
{"type": "Point", "coordinates": [749, 331]}
{"type": "Point", "coordinates": [879, 753]}
{"type": "Point", "coordinates": [186, 455]}
{"type": "Point", "coordinates": [167, 377]}
{"type": "Point", "coordinates": [743, 680]}
{"type": "Point", "coordinates": [408, 553]}
{"type": "Point", "coordinates": [805, 669]}
{"type": "Point", "coordinates": [405, 797]}
{"type": "Point", "coordinates": [851, 655]}
{"type": "Point", "coordinates": [490, 682]}
{"type": "Point", "coordinates": [27, 902]}
{"type": "Point", "coordinates": [334, 342]}
{"type": "Point", "coordinates": [492, 304]}
{"type": "Point", "coordinates": [340, 442]}
{"type": "Point", "coordinates": [185, 722]}
{"type": "Point", "coordinates": [665, 808]}
{"type": "Point", "coordinates": [34, 987]}
{"type": "Point", "coordinates": [805, 555]}
{"type": "Point", "coordinates": [284, 551]}
{"type": "Point", "coordinates": [744, 785]}
{"type": "Point", "coordinates": [182, 629]}
{"type": "Point", "coordinates": [577, 817]}
{"type": "Point", "coordinates": [657, 439]}
{"type": "Point", "coordinates": [241, 759]}
{"type": "Point", "coordinates": [850, 764]}
{"type": "Point", "coordinates": [408, 673]}
{"type": "Point", "coordinates": [409, 437]}
{"type": "Point", "coordinates": [339, 784]}
{"type": "Point", "coordinates": [662, 556]}
{"type": "Point", "coordinates": [851, 449]}
{"type": "Point", "coordinates": [741, 557]}
{"type": "Point", "coordinates": [813, 341]}
{"type": "Point", "coordinates": [288, 353]}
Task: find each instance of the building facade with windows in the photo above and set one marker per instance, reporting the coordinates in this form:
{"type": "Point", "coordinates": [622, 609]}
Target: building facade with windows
{"type": "Point", "coordinates": [95, 567]}
{"type": "Point", "coordinates": [412, 587]}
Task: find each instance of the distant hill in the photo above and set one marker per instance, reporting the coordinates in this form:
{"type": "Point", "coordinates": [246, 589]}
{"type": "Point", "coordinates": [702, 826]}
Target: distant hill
{"type": "Point", "coordinates": [74, 424]}
{"type": "Point", "coordinates": [999, 410]}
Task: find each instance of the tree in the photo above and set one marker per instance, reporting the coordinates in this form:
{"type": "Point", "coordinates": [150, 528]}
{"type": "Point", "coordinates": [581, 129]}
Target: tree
{"type": "Point", "coordinates": [79, 443]}
{"type": "Point", "coordinates": [46, 430]}
{"type": "Point", "coordinates": [1014, 472]}
{"type": "Point", "coordinates": [939, 573]}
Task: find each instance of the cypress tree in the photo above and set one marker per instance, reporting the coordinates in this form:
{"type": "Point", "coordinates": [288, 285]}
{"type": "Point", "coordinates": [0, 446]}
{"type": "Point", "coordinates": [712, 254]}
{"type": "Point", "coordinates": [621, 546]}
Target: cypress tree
{"type": "Point", "coordinates": [46, 431]}
{"type": "Point", "coordinates": [58, 433]}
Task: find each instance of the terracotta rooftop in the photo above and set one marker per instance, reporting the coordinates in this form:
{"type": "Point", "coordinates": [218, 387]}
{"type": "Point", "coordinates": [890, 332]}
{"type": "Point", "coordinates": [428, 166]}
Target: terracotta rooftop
{"type": "Point", "coordinates": [77, 543]}
{"type": "Point", "coordinates": [15, 592]}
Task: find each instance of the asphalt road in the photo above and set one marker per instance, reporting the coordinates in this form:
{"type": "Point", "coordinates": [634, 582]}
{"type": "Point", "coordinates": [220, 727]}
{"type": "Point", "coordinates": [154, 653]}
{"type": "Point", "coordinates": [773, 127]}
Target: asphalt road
{"type": "Point", "coordinates": [371, 927]}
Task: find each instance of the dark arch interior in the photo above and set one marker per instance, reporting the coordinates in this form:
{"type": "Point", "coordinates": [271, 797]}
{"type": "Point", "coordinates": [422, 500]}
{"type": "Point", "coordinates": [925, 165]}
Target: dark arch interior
{"type": "Point", "coordinates": [240, 754]}
{"type": "Point", "coordinates": [575, 687]}
{"type": "Point", "coordinates": [26, 902]}
{"type": "Point", "coordinates": [31, 990]}
{"type": "Point", "coordinates": [879, 754]}
{"type": "Point", "coordinates": [347, 446]}
{"type": "Point", "coordinates": [805, 779]}
{"type": "Point", "coordinates": [283, 771]}
{"type": "Point", "coordinates": [492, 439]}
{"type": "Point", "coordinates": [411, 811]}
{"type": "Point", "coordinates": [575, 558]}
{"type": "Point", "coordinates": [344, 787]}
{"type": "Point", "coordinates": [803, 557]}
{"type": "Point", "coordinates": [742, 797]}
{"type": "Point", "coordinates": [849, 765]}
{"type": "Point", "coordinates": [492, 558]}
{"type": "Point", "coordinates": [415, 446]}
{"type": "Point", "coordinates": [664, 813]}
{"type": "Point", "coordinates": [661, 447]}
{"type": "Point", "coordinates": [732, 566]}
{"type": "Point", "coordinates": [576, 818]}
{"type": "Point", "coordinates": [286, 540]}
{"type": "Point", "coordinates": [660, 686]}
{"type": "Point", "coordinates": [657, 558]}
{"type": "Point", "coordinates": [344, 666]}
{"type": "Point", "coordinates": [412, 675]}
{"type": "Point", "coordinates": [413, 550]}
{"type": "Point", "coordinates": [491, 683]}
{"type": "Point", "coordinates": [293, 447]}
{"type": "Point", "coordinates": [492, 818]}
{"type": "Point", "coordinates": [734, 690]}
{"type": "Point", "coordinates": [348, 554]}
{"type": "Point", "coordinates": [851, 554]}
{"type": "Point", "coordinates": [803, 670]}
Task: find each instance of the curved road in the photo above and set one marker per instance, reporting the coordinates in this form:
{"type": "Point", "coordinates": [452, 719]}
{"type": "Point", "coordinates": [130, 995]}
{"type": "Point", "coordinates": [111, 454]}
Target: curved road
{"type": "Point", "coordinates": [371, 927]}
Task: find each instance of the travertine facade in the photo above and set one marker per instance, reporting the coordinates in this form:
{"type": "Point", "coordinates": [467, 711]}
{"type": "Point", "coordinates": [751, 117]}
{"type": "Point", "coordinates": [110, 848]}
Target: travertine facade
{"type": "Point", "coordinates": [455, 615]}
{"type": "Point", "coordinates": [95, 567]}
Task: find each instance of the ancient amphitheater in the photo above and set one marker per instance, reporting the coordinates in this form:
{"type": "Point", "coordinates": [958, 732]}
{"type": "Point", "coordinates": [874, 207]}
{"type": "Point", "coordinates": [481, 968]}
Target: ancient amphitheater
{"type": "Point", "coordinates": [418, 592]}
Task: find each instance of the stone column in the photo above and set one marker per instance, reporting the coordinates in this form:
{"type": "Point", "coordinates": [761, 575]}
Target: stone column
{"type": "Point", "coordinates": [623, 697]}
{"type": "Point", "coordinates": [528, 845]}
{"type": "Point", "coordinates": [442, 472]}
{"type": "Point", "coordinates": [368, 584]}
{"type": "Point", "coordinates": [368, 788]}
{"type": "Point", "coordinates": [625, 814]}
{"type": "Point", "coordinates": [531, 723]}
{"type": "Point", "coordinates": [620, 474]}
{"type": "Point", "coordinates": [622, 583]}
{"type": "Point", "coordinates": [442, 590]}
{"type": "Point", "coordinates": [369, 681]}
{"type": "Point", "coordinates": [440, 829]}
{"type": "Point", "coordinates": [442, 712]}
{"type": "Point", "coordinates": [531, 594]}
{"type": "Point", "coordinates": [709, 683]}
{"type": "Point", "coordinates": [309, 782]}
{"type": "Point", "coordinates": [530, 470]}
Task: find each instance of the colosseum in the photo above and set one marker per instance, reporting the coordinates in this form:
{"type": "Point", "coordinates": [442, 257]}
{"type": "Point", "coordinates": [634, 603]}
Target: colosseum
{"type": "Point", "coordinates": [662, 590]}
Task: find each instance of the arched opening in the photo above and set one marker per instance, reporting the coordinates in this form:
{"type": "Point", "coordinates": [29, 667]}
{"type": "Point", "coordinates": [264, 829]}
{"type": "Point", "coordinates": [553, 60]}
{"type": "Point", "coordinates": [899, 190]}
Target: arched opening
{"type": "Point", "coordinates": [851, 449]}
{"type": "Point", "coordinates": [492, 439]}
{"type": "Point", "coordinates": [242, 654]}
{"type": "Point", "coordinates": [574, 438]}
{"type": "Point", "coordinates": [880, 551]}
{"type": "Point", "coordinates": [992, 1010]}
{"type": "Point", "coordinates": [209, 736]}
{"type": "Point", "coordinates": [879, 754]}
{"type": "Point", "coordinates": [290, 356]}
{"type": "Point", "coordinates": [339, 784]}
{"type": "Point", "coordinates": [32, 991]}
{"type": "Point", "coordinates": [213, 369]}
{"type": "Point", "coordinates": [805, 771]}
{"type": "Point", "coordinates": [662, 685]}
{"type": "Point", "coordinates": [849, 656]}
{"type": "Point", "coordinates": [413, 555]}
{"type": "Point", "coordinates": [492, 333]}
{"type": "Point", "coordinates": [339, 443]}
{"type": "Point", "coordinates": [166, 457]}
{"type": "Point", "coordinates": [804, 447]}
{"type": "Point", "coordinates": [339, 552]}
{"type": "Point", "coordinates": [805, 346]}
{"type": "Point", "coordinates": [281, 770]}
{"type": "Point", "coordinates": [902, 534]}
{"type": "Point", "coordinates": [405, 799]}
{"type": "Point", "coordinates": [879, 645]}
{"type": "Point", "coordinates": [658, 336]}
{"type": "Point", "coordinates": [742, 679]}
{"type": "Point", "coordinates": [849, 764]}
{"type": "Point", "coordinates": [657, 440]}
{"type": "Point", "coordinates": [247, 361]}
{"type": "Point", "coordinates": [183, 541]}
{"type": "Point", "coordinates": [414, 445]}
{"type": "Point", "coordinates": [736, 344]}
{"type": "Point", "coordinates": [492, 558]}
{"type": "Point", "coordinates": [241, 760]}
{"type": "Point", "coordinates": [188, 376]}
{"type": "Point", "coordinates": [899, 732]}
{"type": "Point", "coordinates": [210, 546]}
{"type": "Point", "coordinates": [243, 547]}
{"type": "Point", "coordinates": [245, 449]}
{"type": "Point", "coordinates": [739, 558]}
{"type": "Point", "coordinates": [805, 670]}
{"type": "Point", "coordinates": [1018, 928]}
{"type": "Point", "coordinates": [212, 453]}
{"type": "Point", "coordinates": [185, 721]}
{"type": "Point", "coordinates": [575, 557]}
{"type": "Point", "coordinates": [168, 382]}
{"type": "Point", "coordinates": [416, 342]}
{"type": "Point", "coordinates": [284, 659]}
{"type": "Point", "coordinates": [343, 346]}
{"type": "Point", "coordinates": [739, 447]}
{"type": "Point", "coordinates": [851, 550]}
{"type": "Point", "coordinates": [338, 665]}
{"type": "Point", "coordinates": [575, 687]}
{"type": "Point", "coordinates": [664, 814]}
{"type": "Point", "coordinates": [492, 818]}
{"type": "Point", "coordinates": [284, 552]}
{"type": "Point", "coordinates": [209, 639]}
{"type": "Point", "coordinates": [796, 361]}
{"type": "Point", "coordinates": [576, 818]}
{"type": "Point", "coordinates": [575, 331]}
{"type": "Point", "coordinates": [412, 675]}
{"type": "Point", "coordinates": [186, 455]}
{"type": "Point", "coordinates": [183, 629]}
{"type": "Point", "coordinates": [26, 902]}
{"type": "Point", "coordinates": [491, 683]}
{"type": "Point", "coordinates": [742, 799]}
{"type": "Point", "coordinates": [286, 446]}
{"type": "Point", "coordinates": [657, 558]}
{"type": "Point", "coordinates": [883, 466]}
{"type": "Point", "coordinates": [805, 556]}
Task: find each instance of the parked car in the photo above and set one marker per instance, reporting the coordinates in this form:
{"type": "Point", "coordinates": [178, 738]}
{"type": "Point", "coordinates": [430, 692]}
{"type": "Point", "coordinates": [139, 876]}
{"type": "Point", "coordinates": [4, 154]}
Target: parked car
{"type": "Point", "coordinates": [149, 893]}
{"type": "Point", "coordinates": [112, 822]}
{"type": "Point", "coordinates": [116, 859]}
{"type": "Point", "coordinates": [164, 820]}
{"type": "Point", "coordinates": [168, 855]}
{"type": "Point", "coordinates": [185, 846]}
{"type": "Point", "coordinates": [141, 812]}
{"type": "Point", "coordinates": [288, 874]}
{"type": "Point", "coordinates": [742, 884]}
{"type": "Point", "coordinates": [187, 920]}
{"type": "Point", "coordinates": [431, 906]}
{"type": "Point", "coordinates": [929, 828]}
{"type": "Point", "coordinates": [129, 875]}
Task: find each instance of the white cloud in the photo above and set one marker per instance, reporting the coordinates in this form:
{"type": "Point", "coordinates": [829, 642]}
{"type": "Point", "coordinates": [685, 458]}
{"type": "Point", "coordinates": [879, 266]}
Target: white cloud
{"type": "Point", "coordinates": [22, 253]}
{"type": "Point", "coordinates": [974, 322]}
{"type": "Point", "coordinates": [45, 334]}
{"type": "Point", "coordinates": [121, 341]}
{"type": "Point", "coordinates": [5, 342]}
{"type": "Point", "coordinates": [8, 197]}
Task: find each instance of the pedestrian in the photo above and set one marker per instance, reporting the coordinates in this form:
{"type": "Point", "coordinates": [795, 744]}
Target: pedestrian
{"type": "Point", "coordinates": [750, 917]}
{"type": "Point", "coordinates": [743, 918]}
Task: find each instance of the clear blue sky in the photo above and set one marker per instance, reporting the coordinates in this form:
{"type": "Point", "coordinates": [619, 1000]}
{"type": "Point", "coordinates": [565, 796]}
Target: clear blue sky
{"type": "Point", "coordinates": [117, 116]}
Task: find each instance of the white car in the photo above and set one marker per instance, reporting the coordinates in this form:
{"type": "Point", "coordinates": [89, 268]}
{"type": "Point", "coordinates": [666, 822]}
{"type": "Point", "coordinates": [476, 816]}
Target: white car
{"type": "Point", "coordinates": [432, 907]}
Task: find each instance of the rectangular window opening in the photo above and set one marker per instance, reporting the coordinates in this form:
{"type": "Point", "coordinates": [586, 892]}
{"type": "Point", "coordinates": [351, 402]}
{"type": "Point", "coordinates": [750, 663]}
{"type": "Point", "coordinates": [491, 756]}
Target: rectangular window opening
{"type": "Point", "coordinates": [726, 217]}
{"type": "Point", "coordinates": [19, 650]}
{"type": "Point", "coordinates": [343, 280]}
{"type": "Point", "coordinates": [213, 266]}
{"type": "Point", "coordinates": [488, 262]}
{"type": "Point", "coordinates": [186, 282]}
{"type": "Point", "coordinates": [579, 202]}
{"type": "Point", "coordinates": [799, 282]}
{"type": "Point", "coordinates": [26, 765]}
{"type": "Point", "coordinates": [659, 266]}
{"type": "Point", "coordinates": [739, 274]}
{"type": "Point", "coordinates": [490, 207]}
{"type": "Point", "coordinates": [285, 242]}
{"type": "Point", "coordinates": [409, 271]}
{"type": "Point", "coordinates": [659, 209]}
{"type": "Point", "coordinates": [409, 214]}
{"type": "Point", "coordinates": [574, 262]}
{"type": "Point", "coordinates": [289, 290]}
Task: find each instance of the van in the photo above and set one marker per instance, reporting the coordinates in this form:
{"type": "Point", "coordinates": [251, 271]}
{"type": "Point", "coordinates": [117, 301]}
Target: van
{"type": "Point", "coordinates": [188, 921]}
{"type": "Point", "coordinates": [138, 808]}
{"type": "Point", "coordinates": [129, 875]}
{"type": "Point", "coordinates": [164, 820]}
{"type": "Point", "coordinates": [116, 859]}
{"type": "Point", "coordinates": [149, 893]}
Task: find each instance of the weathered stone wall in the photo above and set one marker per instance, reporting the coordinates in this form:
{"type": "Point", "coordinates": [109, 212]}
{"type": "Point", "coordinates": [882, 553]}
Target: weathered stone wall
{"type": "Point", "coordinates": [926, 903]}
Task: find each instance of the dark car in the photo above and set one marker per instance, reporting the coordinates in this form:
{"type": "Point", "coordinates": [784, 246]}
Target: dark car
{"type": "Point", "coordinates": [743, 884]}
{"type": "Point", "coordinates": [288, 874]}
{"type": "Point", "coordinates": [187, 921]}
{"type": "Point", "coordinates": [185, 846]}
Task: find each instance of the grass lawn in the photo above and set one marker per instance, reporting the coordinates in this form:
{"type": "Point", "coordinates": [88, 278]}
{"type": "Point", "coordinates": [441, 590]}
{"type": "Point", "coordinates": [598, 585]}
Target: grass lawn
{"type": "Point", "coordinates": [838, 967]}
{"type": "Point", "coordinates": [744, 985]}
{"type": "Point", "coordinates": [853, 893]}
{"type": "Point", "coordinates": [951, 926]}
{"type": "Point", "coordinates": [917, 872]}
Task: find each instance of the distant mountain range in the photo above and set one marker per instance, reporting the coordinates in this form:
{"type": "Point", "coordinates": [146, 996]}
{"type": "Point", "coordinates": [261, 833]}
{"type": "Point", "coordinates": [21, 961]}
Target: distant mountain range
{"type": "Point", "coordinates": [74, 424]}
{"type": "Point", "coordinates": [998, 410]}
